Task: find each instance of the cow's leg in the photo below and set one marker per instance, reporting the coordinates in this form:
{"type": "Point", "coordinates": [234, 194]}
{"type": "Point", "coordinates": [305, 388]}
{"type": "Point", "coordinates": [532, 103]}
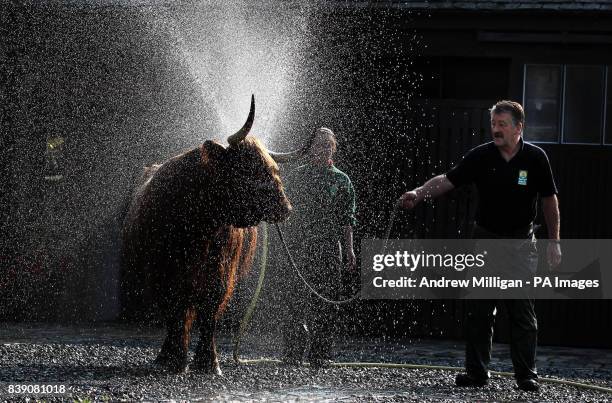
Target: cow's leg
{"type": "Point", "coordinates": [173, 354]}
{"type": "Point", "coordinates": [205, 359]}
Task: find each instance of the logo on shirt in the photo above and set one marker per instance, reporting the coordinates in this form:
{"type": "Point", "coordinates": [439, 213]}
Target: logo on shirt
{"type": "Point", "coordinates": [522, 178]}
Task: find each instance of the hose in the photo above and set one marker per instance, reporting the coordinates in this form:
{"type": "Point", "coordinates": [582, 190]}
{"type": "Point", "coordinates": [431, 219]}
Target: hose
{"type": "Point", "coordinates": [244, 323]}
{"type": "Point", "coordinates": [391, 365]}
{"type": "Point", "coordinates": [312, 290]}
{"type": "Point", "coordinates": [253, 304]}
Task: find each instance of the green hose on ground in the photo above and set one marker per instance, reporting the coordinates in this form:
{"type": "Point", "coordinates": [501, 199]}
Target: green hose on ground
{"type": "Point", "coordinates": [253, 304]}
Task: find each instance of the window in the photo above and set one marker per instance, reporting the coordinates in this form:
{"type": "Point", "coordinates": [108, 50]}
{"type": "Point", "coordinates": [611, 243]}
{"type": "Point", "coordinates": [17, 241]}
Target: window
{"type": "Point", "coordinates": [583, 110]}
{"type": "Point", "coordinates": [542, 103]}
{"type": "Point", "coordinates": [566, 103]}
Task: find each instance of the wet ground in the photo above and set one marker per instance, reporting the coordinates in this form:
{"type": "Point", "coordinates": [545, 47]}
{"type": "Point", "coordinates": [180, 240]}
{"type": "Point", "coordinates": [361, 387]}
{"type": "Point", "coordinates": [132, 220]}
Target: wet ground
{"type": "Point", "coordinates": [112, 363]}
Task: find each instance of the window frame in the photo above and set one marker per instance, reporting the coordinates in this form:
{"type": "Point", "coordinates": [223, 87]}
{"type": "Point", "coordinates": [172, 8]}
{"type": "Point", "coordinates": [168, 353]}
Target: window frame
{"type": "Point", "coordinates": [605, 108]}
{"type": "Point", "coordinates": [562, 93]}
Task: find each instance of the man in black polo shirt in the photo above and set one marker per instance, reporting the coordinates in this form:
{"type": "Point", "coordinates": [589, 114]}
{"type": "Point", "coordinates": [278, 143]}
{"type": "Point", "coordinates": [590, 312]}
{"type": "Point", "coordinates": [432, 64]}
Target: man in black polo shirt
{"type": "Point", "coordinates": [509, 175]}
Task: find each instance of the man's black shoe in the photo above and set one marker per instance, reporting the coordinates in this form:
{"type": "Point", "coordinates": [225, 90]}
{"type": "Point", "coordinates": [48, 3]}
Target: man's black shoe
{"type": "Point", "coordinates": [464, 380]}
{"type": "Point", "coordinates": [528, 385]}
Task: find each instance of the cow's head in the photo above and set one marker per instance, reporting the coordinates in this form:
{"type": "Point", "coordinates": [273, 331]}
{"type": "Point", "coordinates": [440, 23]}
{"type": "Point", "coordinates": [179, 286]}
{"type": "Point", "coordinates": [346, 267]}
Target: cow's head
{"type": "Point", "coordinates": [248, 178]}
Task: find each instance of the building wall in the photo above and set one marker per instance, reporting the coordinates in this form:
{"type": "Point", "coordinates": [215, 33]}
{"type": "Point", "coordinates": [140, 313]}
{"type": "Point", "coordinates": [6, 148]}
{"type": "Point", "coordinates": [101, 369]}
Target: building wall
{"type": "Point", "coordinates": [473, 59]}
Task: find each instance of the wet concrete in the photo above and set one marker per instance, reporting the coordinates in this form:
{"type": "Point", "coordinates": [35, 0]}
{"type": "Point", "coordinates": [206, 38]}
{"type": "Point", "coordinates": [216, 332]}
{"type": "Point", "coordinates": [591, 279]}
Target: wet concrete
{"type": "Point", "coordinates": [113, 363]}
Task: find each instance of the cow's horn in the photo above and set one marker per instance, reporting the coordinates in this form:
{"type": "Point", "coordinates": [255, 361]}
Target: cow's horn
{"type": "Point", "coordinates": [237, 137]}
{"type": "Point", "coordinates": [292, 155]}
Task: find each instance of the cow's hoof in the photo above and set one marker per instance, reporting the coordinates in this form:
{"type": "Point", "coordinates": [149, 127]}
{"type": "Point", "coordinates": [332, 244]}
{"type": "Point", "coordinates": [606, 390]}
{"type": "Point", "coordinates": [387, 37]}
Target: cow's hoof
{"type": "Point", "coordinates": [161, 361]}
{"type": "Point", "coordinates": [173, 365]}
{"type": "Point", "coordinates": [206, 367]}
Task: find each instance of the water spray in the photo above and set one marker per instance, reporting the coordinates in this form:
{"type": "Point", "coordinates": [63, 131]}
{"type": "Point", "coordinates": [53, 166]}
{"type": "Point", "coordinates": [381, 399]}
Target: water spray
{"type": "Point", "coordinates": [262, 361]}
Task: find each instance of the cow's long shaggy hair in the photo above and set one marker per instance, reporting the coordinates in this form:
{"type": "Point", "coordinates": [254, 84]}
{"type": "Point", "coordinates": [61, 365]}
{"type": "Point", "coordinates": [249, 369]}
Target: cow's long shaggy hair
{"type": "Point", "coordinates": [237, 257]}
{"type": "Point", "coordinates": [236, 254]}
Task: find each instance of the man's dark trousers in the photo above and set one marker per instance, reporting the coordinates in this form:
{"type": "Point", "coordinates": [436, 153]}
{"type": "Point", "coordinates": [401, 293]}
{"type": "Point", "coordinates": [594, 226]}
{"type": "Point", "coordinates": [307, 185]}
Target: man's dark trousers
{"type": "Point", "coordinates": [515, 254]}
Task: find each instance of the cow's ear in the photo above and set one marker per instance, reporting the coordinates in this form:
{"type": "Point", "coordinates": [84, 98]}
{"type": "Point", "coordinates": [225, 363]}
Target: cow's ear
{"type": "Point", "coordinates": [213, 153]}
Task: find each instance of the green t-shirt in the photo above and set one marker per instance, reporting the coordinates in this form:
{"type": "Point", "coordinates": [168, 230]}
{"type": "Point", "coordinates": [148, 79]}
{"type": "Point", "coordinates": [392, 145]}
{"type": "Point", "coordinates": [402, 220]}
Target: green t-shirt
{"type": "Point", "coordinates": [323, 199]}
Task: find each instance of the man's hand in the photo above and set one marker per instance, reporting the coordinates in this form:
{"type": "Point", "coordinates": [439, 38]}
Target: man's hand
{"type": "Point", "coordinates": [553, 254]}
{"type": "Point", "coordinates": [550, 206]}
{"type": "Point", "coordinates": [408, 200]}
{"type": "Point", "coordinates": [436, 186]}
